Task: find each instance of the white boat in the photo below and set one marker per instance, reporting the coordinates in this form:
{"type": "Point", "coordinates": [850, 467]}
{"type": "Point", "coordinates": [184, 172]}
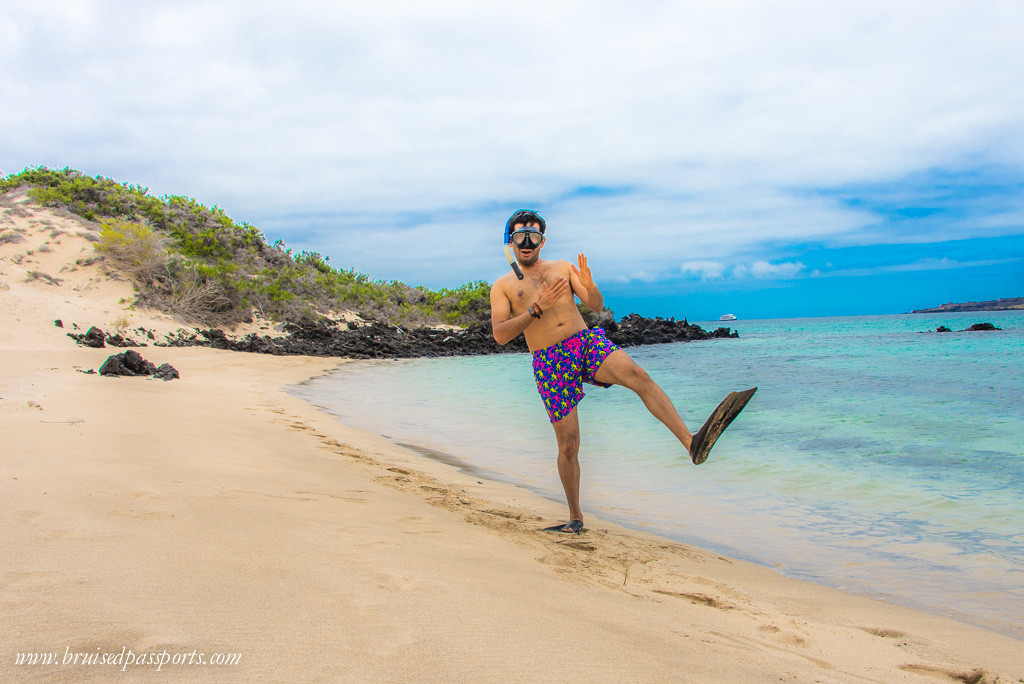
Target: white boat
{"type": "Point", "coordinates": [727, 317]}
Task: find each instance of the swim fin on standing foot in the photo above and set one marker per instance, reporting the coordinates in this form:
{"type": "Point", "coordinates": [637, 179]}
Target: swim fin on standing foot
{"type": "Point", "coordinates": [715, 425]}
{"type": "Point", "coordinates": [571, 527]}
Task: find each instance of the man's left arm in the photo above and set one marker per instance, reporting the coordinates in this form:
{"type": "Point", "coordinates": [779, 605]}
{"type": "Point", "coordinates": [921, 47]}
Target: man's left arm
{"type": "Point", "coordinates": [583, 285]}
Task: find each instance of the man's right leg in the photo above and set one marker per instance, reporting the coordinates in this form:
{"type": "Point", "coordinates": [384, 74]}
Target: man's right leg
{"type": "Point", "coordinates": [567, 432]}
{"type": "Point", "coordinates": [620, 369]}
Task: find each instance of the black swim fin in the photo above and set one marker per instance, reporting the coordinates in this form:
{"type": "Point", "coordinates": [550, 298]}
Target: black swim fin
{"type": "Point", "coordinates": [715, 425]}
{"type": "Point", "coordinates": [571, 527]}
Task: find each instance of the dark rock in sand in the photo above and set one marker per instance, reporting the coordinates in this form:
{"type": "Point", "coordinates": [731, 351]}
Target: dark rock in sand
{"type": "Point", "coordinates": [93, 337]}
{"type": "Point", "coordinates": [166, 372]}
{"type": "Point", "coordinates": [217, 338]}
{"type": "Point", "coordinates": [131, 363]}
{"type": "Point", "coordinates": [120, 340]}
{"type": "Point", "coordinates": [128, 363]}
{"type": "Point", "coordinates": [59, 323]}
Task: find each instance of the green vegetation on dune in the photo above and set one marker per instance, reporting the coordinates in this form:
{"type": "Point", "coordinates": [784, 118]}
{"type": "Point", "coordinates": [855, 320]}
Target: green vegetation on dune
{"type": "Point", "coordinates": [197, 263]}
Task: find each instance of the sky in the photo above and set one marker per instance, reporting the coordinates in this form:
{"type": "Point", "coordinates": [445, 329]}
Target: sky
{"type": "Point", "coordinates": [767, 159]}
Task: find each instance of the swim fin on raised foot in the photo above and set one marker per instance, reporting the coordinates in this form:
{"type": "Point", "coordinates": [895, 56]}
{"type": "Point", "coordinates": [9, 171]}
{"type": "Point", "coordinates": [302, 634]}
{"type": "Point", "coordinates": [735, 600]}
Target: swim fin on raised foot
{"type": "Point", "coordinates": [715, 425]}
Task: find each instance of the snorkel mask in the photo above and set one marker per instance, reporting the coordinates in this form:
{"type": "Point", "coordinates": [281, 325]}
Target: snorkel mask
{"type": "Point", "coordinates": [523, 216]}
{"type": "Point", "coordinates": [527, 238]}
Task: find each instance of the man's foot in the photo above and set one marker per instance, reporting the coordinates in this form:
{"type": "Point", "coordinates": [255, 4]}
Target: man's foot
{"type": "Point", "coordinates": [571, 527]}
{"type": "Point", "coordinates": [720, 418]}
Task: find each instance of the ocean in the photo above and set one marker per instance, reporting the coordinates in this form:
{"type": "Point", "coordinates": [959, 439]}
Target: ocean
{"type": "Point", "coordinates": [878, 456]}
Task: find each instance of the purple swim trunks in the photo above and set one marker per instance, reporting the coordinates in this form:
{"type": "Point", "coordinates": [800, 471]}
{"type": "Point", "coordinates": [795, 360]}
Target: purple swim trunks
{"type": "Point", "coordinates": [562, 368]}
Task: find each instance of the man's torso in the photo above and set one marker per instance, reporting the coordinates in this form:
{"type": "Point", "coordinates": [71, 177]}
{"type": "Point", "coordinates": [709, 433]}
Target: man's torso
{"type": "Point", "coordinates": [559, 321]}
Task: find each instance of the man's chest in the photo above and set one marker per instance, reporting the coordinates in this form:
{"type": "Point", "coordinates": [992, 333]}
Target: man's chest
{"type": "Point", "coordinates": [525, 292]}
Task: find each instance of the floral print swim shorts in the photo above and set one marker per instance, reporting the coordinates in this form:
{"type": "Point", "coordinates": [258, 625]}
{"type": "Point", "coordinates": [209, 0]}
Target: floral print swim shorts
{"type": "Point", "coordinates": [562, 368]}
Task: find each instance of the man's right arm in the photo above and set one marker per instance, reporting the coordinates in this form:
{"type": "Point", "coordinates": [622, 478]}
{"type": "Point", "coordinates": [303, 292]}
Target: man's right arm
{"type": "Point", "coordinates": [504, 326]}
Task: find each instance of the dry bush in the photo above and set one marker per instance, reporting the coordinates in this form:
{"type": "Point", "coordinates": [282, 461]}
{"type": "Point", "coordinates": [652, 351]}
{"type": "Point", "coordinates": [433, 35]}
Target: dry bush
{"type": "Point", "coordinates": [134, 248]}
{"type": "Point", "coordinates": [45, 277]}
{"type": "Point", "coordinates": [193, 298]}
{"type": "Point", "coordinates": [10, 235]}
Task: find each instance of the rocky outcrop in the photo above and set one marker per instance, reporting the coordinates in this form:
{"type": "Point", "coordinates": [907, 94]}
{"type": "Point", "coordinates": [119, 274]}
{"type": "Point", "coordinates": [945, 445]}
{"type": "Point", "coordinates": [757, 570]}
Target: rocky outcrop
{"type": "Point", "coordinates": [634, 330]}
{"type": "Point", "coordinates": [973, 328]}
{"type": "Point", "coordinates": [377, 340]}
{"type": "Point", "coordinates": [1005, 304]}
{"type": "Point", "coordinates": [93, 337]}
{"type": "Point", "coordinates": [130, 363]}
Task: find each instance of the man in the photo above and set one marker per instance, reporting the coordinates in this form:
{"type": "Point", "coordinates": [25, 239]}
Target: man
{"type": "Point", "coordinates": [567, 353]}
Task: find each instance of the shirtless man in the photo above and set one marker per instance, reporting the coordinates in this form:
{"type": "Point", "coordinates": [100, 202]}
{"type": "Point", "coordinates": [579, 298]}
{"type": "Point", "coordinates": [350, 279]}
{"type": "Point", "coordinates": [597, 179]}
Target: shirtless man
{"type": "Point", "coordinates": [567, 353]}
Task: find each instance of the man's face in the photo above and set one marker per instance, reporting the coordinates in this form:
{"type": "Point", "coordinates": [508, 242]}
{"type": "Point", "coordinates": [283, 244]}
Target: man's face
{"type": "Point", "coordinates": [527, 253]}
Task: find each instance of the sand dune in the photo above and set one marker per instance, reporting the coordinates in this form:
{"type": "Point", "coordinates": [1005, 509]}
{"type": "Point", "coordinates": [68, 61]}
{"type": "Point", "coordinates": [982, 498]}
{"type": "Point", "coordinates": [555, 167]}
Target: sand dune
{"type": "Point", "coordinates": [216, 514]}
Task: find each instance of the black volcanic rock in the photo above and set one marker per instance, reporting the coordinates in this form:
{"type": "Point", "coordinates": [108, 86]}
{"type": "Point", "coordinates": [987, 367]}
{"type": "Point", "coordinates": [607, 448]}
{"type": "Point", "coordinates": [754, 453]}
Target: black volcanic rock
{"type": "Point", "coordinates": [131, 363]}
{"type": "Point", "coordinates": [377, 340]}
{"type": "Point", "coordinates": [976, 327]}
{"type": "Point", "coordinates": [166, 371]}
{"type": "Point", "coordinates": [127, 363]}
{"type": "Point", "coordinates": [120, 340]}
{"type": "Point", "coordinates": [93, 337]}
{"type": "Point", "coordinates": [217, 338]}
{"type": "Point", "coordinates": [635, 330]}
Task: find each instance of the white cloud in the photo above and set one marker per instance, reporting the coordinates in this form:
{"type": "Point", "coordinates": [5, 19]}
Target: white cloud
{"type": "Point", "coordinates": [707, 270]}
{"type": "Point", "coordinates": [719, 120]}
{"type": "Point", "coordinates": [928, 264]}
{"type": "Point", "coordinates": [766, 270]}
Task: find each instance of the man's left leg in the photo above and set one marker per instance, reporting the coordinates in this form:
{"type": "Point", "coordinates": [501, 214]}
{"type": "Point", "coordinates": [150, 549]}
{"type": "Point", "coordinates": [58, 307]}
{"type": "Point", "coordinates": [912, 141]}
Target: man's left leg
{"type": "Point", "coordinates": [567, 433]}
{"type": "Point", "coordinates": [619, 369]}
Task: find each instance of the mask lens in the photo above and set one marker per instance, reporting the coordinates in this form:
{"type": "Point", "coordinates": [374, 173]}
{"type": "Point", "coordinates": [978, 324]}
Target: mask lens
{"type": "Point", "coordinates": [527, 238]}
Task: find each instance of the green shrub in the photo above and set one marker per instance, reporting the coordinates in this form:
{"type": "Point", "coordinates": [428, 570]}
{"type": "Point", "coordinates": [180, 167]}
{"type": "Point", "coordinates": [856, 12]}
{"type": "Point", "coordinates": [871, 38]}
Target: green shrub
{"type": "Point", "coordinates": [198, 263]}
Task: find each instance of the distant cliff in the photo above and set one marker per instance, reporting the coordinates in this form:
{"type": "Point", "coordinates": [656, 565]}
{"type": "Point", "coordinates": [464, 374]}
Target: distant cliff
{"type": "Point", "coordinates": [1007, 304]}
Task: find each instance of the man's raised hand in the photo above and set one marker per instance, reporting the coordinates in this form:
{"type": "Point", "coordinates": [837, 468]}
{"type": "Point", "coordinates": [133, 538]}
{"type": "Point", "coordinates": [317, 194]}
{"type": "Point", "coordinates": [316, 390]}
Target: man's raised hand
{"type": "Point", "coordinates": [583, 272]}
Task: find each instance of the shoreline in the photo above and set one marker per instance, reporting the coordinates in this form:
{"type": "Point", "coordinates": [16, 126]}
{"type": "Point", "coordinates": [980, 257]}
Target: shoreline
{"type": "Point", "coordinates": [230, 515]}
{"type": "Point", "coordinates": [734, 554]}
{"type": "Point", "coordinates": [474, 434]}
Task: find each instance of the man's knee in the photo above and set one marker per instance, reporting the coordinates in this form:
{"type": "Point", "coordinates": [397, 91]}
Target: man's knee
{"type": "Point", "coordinates": [636, 377]}
{"type": "Point", "coordinates": [568, 445]}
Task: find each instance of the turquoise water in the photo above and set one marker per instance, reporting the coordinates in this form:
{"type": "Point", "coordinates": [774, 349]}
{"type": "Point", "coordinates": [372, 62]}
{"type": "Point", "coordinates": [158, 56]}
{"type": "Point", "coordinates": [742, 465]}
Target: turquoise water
{"type": "Point", "coordinates": [875, 457]}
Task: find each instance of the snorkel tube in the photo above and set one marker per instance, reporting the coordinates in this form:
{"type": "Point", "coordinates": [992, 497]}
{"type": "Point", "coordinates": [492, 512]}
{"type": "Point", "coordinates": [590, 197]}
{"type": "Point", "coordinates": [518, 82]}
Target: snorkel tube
{"type": "Point", "coordinates": [508, 250]}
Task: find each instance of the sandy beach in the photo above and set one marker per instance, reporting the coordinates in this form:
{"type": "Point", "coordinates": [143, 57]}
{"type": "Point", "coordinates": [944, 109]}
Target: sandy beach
{"type": "Point", "coordinates": [215, 528]}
